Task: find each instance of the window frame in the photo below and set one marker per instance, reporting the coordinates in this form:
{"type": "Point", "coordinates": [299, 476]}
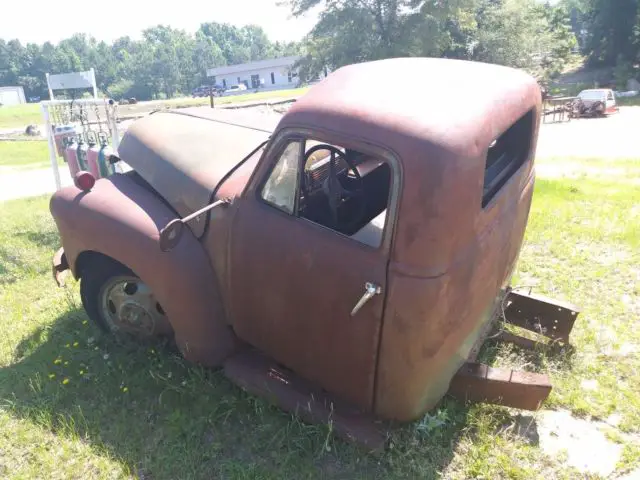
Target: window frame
{"type": "Point", "coordinates": [279, 143]}
{"type": "Point", "coordinates": [267, 176]}
{"type": "Point", "coordinates": [505, 176]}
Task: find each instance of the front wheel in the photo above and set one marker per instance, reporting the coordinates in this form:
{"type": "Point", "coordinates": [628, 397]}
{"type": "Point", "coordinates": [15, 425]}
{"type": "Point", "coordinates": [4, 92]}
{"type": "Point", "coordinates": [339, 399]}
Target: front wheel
{"type": "Point", "coordinates": [118, 301]}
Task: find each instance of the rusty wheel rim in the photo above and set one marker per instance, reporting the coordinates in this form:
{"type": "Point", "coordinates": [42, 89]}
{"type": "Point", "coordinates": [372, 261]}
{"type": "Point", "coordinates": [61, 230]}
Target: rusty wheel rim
{"type": "Point", "coordinates": [129, 305]}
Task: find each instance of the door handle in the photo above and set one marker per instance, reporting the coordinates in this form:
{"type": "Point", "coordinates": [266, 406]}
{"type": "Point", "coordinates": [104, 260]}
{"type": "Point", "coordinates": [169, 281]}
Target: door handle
{"type": "Point", "coordinates": [370, 290]}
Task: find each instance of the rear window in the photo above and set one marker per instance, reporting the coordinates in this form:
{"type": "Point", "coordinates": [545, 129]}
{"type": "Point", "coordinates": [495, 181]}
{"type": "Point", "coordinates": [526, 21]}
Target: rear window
{"type": "Point", "coordinates": [506, 155]}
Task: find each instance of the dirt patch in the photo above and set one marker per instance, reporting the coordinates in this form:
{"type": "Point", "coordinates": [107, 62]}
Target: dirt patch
{"type": "Point", "coordinates": [584, 442]}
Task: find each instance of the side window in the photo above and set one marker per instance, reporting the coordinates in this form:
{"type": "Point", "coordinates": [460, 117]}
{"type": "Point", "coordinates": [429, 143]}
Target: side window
{"type": "Point", "coordinates": [506, 155]}
{"type": "Point", "coordinates": [280, 189]}
{"type": "Point", "coordinates": [341, 189]}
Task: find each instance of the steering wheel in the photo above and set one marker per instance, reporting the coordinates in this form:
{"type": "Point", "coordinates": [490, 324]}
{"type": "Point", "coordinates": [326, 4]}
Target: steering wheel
{"type": "Point", "coordinates": [335, 191]}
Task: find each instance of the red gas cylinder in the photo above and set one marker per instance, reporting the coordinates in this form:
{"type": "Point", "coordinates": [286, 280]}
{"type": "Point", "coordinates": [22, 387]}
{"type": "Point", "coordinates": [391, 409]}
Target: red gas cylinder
{"type": "Point", "coordinates": [71, 156]}
{"type": "Point", "coordinates": [92, 159]}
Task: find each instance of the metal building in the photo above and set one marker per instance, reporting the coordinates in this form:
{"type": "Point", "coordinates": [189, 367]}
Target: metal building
{"type": "Point", "coordinates": [12, 96]}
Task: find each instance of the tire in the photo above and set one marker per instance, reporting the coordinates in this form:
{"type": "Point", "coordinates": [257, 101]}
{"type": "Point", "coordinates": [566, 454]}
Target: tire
{"type": "Point", "coordinates": [119, 302]}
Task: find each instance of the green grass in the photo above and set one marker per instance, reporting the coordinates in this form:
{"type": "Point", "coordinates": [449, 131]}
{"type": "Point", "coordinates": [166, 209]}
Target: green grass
{"type": "Point", "coordinates": [77, 404]}
{"type": "Point", "coordinates": [19, 116]}
{"type": "Point", "coordinates": [25, 154]}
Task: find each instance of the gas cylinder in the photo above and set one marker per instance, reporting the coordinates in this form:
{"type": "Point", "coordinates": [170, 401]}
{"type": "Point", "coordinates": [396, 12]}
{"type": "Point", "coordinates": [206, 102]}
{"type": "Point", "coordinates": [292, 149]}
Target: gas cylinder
{"type": "Point", "coordinates": [71, 156]}
{"type": "Point", "coordinates": [61, 133]}
{"type": "Point", "coordinates": [105, 166]}
{"type": "Point", "coordinates": [92, 159]}
{"type": "Point", "coordinates": [82, 154]}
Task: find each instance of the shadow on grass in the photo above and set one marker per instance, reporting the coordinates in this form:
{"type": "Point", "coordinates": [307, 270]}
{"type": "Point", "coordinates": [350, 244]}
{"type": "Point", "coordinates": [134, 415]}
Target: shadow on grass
{"type": "Point", "coordinates": [163, 418]}
{"type": "Point", "coordinates": [49, 239]}
{"type": "Point", "coordinates": [11, 266]}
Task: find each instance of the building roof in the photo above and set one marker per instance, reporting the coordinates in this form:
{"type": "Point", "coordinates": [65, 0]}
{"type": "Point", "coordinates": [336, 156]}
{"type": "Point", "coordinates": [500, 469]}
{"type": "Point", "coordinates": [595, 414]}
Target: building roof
{"type": "Point", "coordinates": [257, 65]}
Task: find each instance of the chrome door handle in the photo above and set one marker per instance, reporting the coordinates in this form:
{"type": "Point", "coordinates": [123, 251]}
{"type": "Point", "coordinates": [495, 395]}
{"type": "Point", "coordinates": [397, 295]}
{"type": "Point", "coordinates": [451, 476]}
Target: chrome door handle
{"type": "Point", "coordinates": [370, 290]}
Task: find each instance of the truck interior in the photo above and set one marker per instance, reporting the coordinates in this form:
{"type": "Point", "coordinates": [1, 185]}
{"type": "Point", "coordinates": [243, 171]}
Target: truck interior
{"type": "Point", "coordinates": [338, 188]}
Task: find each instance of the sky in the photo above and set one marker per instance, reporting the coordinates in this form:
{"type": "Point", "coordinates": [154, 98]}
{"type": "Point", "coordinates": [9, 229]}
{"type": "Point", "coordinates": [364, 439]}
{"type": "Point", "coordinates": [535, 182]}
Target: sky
{"type": "Point", "coordinates": [38, 21]}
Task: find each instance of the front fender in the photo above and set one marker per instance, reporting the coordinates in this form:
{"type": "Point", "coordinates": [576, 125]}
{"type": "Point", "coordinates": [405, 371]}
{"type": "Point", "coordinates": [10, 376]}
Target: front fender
{"type": "Point", "coordinates": [122, 220]}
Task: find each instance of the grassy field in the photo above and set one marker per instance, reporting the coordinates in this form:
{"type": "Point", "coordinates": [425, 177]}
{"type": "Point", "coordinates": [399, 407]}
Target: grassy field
{"type": "Point", "coordinates": [22, 115]}
{"type": "Point", "coordinates": [77, 404]}
{"type": "Point", "coordinates": [19, 116]}
{"type": "Point", "coordinates": [25, 154]}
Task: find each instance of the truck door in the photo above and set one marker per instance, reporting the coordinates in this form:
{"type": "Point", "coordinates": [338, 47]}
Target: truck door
{"type": "Point", "coordinates": [308, 293]}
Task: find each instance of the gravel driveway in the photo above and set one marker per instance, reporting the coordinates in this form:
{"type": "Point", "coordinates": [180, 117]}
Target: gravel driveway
{"type": "Point", "coordinates": [613, 137]}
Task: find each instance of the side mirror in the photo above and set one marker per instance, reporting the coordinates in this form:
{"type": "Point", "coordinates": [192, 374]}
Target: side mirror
{"type": "Point", "coordinates": [170, 235]}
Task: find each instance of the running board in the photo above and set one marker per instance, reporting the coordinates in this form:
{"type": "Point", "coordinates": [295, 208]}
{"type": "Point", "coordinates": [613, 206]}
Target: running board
{"type": "Point", "coordinates": [258, 375]}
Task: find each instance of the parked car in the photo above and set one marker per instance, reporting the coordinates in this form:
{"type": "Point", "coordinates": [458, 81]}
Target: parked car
{"type": "Point", "coordinates": [206, 90]}
{"type": "Point", "coordinates": [235, 90]}
{"type": "Point", "coordinates": [601, 101]}
{"type": "Point", "coordinates": [346, 259]}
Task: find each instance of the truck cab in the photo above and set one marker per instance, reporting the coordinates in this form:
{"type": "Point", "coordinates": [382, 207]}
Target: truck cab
{"type": "Point", "coordinates": [363, 242]}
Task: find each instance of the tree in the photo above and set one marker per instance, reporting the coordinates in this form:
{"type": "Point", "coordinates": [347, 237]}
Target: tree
{"type": "Point", "coordinates": [524, 34]}
{"type": "Point", "coordinates": [519, 33]}
{"type": "Point", "coordinates": [611, 27]}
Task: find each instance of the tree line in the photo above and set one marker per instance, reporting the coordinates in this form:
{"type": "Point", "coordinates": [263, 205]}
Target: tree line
{"type": "Point", "coordinates": [165, 62]}
{"type": "Point", "coordinates": [533, 35]}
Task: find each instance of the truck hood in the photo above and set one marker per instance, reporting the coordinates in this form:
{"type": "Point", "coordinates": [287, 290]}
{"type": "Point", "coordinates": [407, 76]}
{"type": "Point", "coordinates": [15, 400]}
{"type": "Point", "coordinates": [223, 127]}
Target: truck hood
{"type": "Point", "coordinates": [184, 154]}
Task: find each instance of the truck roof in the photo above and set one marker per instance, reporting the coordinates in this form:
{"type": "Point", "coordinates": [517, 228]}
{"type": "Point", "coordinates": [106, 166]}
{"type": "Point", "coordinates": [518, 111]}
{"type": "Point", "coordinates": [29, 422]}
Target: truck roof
{"type": "Point", "coordinates": [454, 104]}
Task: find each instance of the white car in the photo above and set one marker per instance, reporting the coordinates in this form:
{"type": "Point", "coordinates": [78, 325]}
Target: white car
{"type": "Point", "coordinates": [602, 100]}
{"type": "Point", "coordinates": [234, 90]}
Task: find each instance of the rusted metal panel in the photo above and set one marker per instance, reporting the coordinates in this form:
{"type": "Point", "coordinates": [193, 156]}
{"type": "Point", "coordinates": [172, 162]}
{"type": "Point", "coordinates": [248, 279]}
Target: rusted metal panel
{"type": "Point", "coordinates": [184, 156]}
{"type": "Point", "coordinates": [442, 150]}
{"type": "Point", "coordinates": [540, 314]}
{"type": "Point", "coordinates": [293, 285]}
{"type": "Point", "coordinates": [476, 382]}
{"type": "Point", "coordinates": [121, 219]}
{"type": "Point", "coordinates": [259, 375]}
{"type": "Point", "coordinates": [431, 324]}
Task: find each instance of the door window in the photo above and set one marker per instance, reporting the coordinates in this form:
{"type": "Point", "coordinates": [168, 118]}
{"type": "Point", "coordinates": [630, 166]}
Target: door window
{"type": "Point", "coordinates": [280, 189]}
{"type": "Point", "coordinates": [339, 188]}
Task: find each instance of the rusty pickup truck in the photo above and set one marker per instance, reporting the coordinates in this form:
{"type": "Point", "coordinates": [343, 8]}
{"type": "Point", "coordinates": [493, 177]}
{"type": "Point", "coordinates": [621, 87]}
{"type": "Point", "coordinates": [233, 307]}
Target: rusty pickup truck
{"type": "Point", "coordinates": [346, 259]}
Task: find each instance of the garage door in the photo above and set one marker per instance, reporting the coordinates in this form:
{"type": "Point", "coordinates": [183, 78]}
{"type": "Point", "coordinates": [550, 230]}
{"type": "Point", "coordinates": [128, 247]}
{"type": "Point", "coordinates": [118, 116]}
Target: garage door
{"type": "Point", "coordinates": [9, 97]}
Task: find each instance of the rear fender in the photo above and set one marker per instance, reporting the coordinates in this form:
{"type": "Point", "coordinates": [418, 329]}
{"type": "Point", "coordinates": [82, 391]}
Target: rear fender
{"type": "Point", "coordinates": [121, 219]}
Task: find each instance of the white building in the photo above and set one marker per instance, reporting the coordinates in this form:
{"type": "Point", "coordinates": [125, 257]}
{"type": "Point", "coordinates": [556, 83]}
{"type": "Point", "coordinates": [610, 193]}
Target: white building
{"type": "Point", "coordinates": [268, 74]}
{"type": "Point", "coordinates": [11, 95]}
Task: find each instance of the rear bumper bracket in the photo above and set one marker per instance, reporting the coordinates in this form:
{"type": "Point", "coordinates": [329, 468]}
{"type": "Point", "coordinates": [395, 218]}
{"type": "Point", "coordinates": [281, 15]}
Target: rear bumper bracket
{"type": "Point", "coordinates": [552, 318]}
{"type": "Point", "coordinates": [476, 382]}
